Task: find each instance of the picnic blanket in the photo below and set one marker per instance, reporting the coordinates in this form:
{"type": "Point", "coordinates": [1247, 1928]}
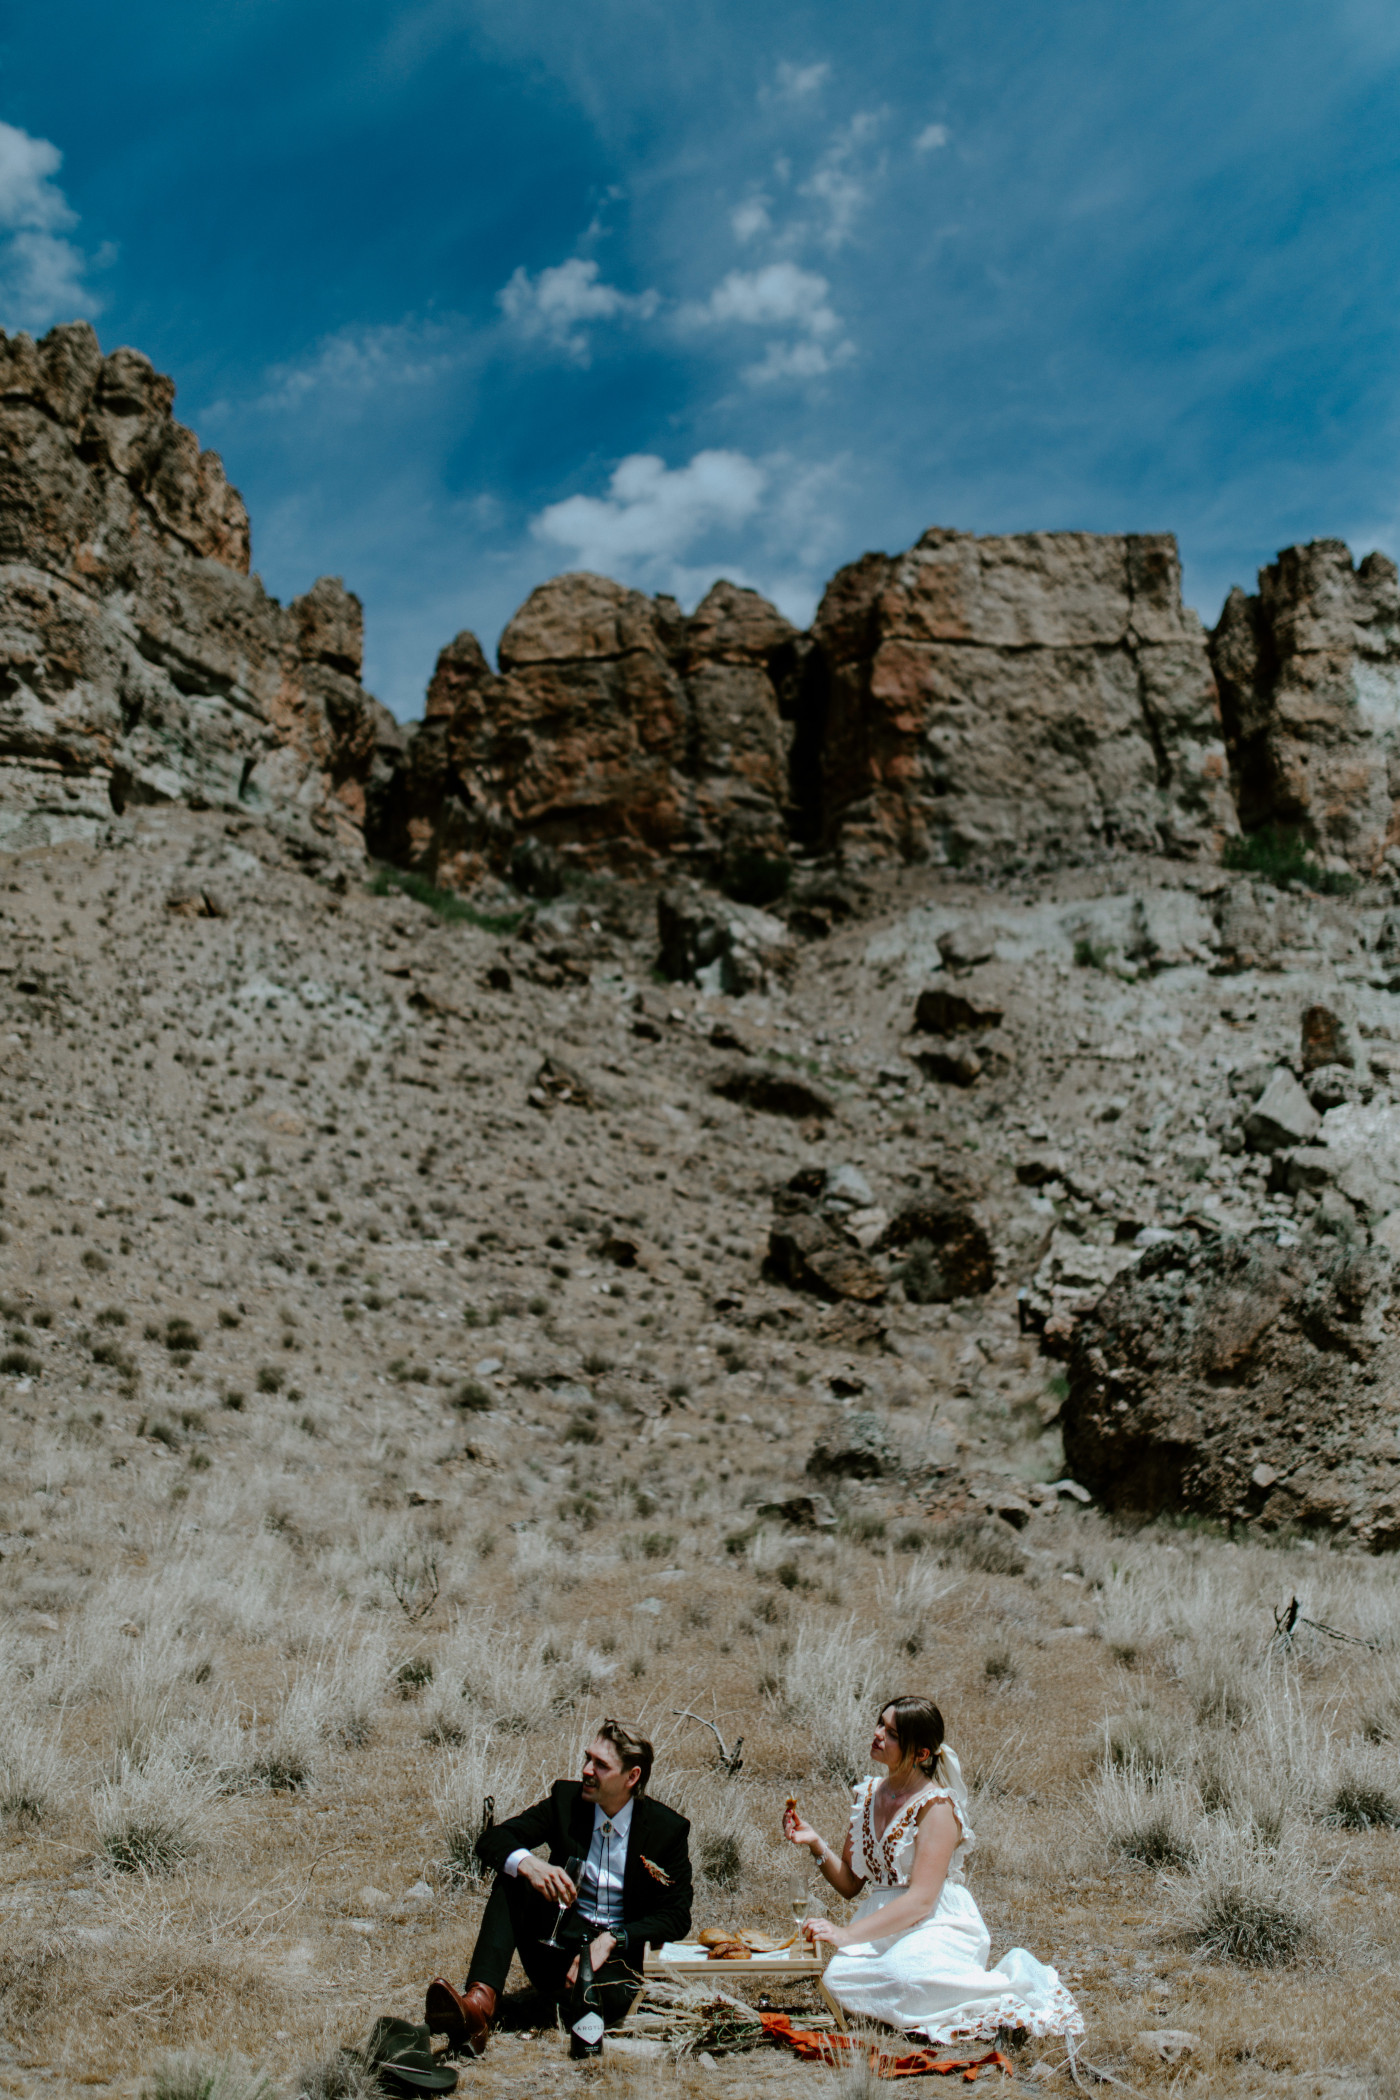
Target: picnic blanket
{"type": "Point", "coordinates": [886, 2063]}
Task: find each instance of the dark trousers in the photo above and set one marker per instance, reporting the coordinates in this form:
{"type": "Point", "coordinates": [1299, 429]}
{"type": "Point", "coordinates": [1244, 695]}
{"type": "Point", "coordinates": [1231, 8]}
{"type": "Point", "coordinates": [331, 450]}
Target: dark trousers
{"type": "Point", "coordinates": [518, 1920]}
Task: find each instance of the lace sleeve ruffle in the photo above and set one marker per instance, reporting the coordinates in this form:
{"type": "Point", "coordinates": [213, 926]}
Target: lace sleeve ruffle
{"type": "Point", "coordinates": [904, 1849]}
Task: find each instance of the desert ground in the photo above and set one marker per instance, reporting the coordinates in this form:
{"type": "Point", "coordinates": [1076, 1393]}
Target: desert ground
{"type": "Point", "coordinates": [385, 1404]}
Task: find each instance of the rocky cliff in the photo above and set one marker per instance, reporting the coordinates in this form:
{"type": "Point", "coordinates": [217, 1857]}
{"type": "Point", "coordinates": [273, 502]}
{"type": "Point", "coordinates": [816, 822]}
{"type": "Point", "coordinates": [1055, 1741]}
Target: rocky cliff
{"type": "Point", "coordinates": [1016, 701]}
{"type": "Point", "coordinates": [1309, 678]}
{"type": "Point", "coordinates": [139, 660]}
{"type": "Point", "coordinates": [616, 730]}
{"type": "Point", "coordinates": [1034, 696]}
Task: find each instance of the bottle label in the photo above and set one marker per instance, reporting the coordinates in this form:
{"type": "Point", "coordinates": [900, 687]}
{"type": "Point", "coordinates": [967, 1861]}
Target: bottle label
{"type": "Point", "coordinates": [589, 2028]}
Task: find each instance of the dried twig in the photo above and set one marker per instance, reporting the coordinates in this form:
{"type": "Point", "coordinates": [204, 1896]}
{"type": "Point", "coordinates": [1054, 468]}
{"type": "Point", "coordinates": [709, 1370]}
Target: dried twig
{"type": "Point", "coordinates": [1291, 1616]}
{"type": "Point", "coordinates": [415, 1582]}
{"type": "Point", "coordinates": [731, 1760]}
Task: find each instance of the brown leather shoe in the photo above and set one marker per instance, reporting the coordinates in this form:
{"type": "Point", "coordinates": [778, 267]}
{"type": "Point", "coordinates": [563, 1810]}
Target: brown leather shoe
{"type": "Point", "coordinates": [464, 2016]}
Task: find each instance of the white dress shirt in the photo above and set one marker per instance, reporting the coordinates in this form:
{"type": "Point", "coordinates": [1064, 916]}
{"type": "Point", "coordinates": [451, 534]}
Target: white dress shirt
{"type": "Point", "coordinates": [600, 1884]}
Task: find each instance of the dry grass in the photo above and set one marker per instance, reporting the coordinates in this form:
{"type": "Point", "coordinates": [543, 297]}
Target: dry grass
{"type": "Point", "coordinates": [261, 1665]}
{"type": "Point", "coordinates": [215, 1819]}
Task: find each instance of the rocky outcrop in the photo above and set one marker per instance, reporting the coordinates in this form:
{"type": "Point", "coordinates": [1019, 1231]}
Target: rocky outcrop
{"type": "Point", "coordinates": [1309, 677]}
{"type": "Point", "coordinates": [1246, 1380]}
{"type": "Point", "coordinates": [1035, 697]}
{"type": "Point", "coordinates": [139, 660]}
{"type": "Point", "coordinates": [616, 731]}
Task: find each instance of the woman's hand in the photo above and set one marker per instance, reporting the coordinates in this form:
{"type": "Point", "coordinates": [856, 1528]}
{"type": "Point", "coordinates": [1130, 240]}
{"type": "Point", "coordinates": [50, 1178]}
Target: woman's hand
{"type": "Point", "coordinates": [815, 1929]}
{"type": "Point", "coordinates": [799, 1833]}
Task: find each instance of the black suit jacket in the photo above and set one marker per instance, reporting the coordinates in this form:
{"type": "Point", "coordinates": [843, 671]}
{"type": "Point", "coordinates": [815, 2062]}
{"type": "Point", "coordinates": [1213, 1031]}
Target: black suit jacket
{"type": "Point", "coordinates": [652, 1909]}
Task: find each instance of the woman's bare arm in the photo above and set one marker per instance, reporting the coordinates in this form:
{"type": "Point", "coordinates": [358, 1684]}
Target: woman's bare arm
{"type": "Point", "coordinates": [839, 1872]}
{"type": "Point", "coordinates": [937, 1841]}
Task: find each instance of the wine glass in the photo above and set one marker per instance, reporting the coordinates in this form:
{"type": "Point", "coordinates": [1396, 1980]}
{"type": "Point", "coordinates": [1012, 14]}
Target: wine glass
{"type": "Point", "coordinates": [573, 1869]}
{"type": "Point", "coordinates": [797, 1895]}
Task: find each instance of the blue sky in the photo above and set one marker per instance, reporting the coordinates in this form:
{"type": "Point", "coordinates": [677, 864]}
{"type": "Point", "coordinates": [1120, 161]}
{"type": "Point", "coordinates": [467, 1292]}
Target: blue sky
{"type": "Point", "coordinates": [468, 292]}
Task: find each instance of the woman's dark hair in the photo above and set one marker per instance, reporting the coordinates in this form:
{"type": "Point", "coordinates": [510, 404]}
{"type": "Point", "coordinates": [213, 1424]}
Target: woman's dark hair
{"type": "Point", "coordinates": [918, 1728]}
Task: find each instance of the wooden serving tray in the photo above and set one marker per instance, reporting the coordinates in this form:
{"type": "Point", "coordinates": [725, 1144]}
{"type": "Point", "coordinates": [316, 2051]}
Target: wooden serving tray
{"type": "Point", "coordinates": [699, 1964]}
{"type": "Point", "coordinates": [680, 1959]}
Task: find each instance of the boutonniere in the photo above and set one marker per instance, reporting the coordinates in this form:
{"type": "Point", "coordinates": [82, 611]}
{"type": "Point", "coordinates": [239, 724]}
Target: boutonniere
{"type": "Point", "coordinates": [656, 1872]}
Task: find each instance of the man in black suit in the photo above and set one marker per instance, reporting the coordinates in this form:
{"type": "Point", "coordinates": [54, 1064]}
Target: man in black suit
{"type": "Point", "coordinates": [634, 1889]}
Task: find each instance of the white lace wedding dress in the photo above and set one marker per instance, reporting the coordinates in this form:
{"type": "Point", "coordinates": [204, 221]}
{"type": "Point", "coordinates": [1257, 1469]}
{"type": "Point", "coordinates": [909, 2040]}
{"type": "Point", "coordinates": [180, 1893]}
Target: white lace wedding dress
{"type": "Point", "coordinates": [933, 1979]}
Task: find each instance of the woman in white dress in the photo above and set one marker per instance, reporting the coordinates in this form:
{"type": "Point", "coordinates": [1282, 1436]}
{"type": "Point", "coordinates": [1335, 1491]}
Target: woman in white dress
{"type": "Point", "coordinates": [923, 1967]}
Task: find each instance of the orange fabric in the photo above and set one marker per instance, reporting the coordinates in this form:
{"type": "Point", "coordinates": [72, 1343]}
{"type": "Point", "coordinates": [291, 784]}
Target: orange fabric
{"type": "Point", "coordinates": [909, 2063]}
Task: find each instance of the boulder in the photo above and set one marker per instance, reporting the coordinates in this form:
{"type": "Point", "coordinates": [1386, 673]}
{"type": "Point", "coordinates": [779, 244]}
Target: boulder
{"type": "Point", "coordinates": [1245, 1380]}
{"type": "Point", "coordinates": [959, 1242]}
{"type": "Point", "coordinates": [1308, 671]}
{"type": "Point", "coordinates": [808, 1254]}
{"type": "Point", "coordinates": [950, 1063]}
{"type": "Point", "coordinates": [140, 662]}
{"type": "Point", "coordinates": [1072, 1275]}
{"type": "Point", "coordinates": [773, 1092]}
{"type": "Point", "coordinates": [939, 1011]}
{"type": "Point", "coordinates": [963, 947]}
{"type": "Point", "coordinates": [1357, 1151]}
{"type": "Point", "coordinates": [1037, 694]}
{"type": "Point", "coordinates": [1326, 1039]}
{"type": "Point", "coordinates": [723, 947]}
{"type": "Point", "coordinates": [1283, 1115]}
{"type": "Point", "coordinates": [804, 1512]}
{"type": "Point", "coordinates": [854, 1448]}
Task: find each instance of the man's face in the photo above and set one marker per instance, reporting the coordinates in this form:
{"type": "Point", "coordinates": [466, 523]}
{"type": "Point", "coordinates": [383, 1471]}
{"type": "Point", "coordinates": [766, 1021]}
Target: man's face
{"type": "Point", "coordinates": [604, 1780]}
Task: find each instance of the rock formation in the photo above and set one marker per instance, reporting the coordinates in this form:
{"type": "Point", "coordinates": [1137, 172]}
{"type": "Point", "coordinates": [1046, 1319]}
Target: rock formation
{"type": "Point", "coordinates": [616, 731]}
{"type": "Point", "coordinates": [1247, 1380]}
{"type": "Point", "coordinates": [1033, 696]}
{"type": "Point", "coordinates": [1024, 700]}
{"type": "Point", "coordinates": [1309, 678]}
{"type": "Point", "coordinates": [139, 660]}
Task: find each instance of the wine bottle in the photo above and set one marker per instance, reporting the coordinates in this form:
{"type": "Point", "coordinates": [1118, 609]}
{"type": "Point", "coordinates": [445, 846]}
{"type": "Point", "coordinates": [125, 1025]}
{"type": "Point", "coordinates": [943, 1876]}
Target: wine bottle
{"type": "Point", "coordinates": [585, 2020]}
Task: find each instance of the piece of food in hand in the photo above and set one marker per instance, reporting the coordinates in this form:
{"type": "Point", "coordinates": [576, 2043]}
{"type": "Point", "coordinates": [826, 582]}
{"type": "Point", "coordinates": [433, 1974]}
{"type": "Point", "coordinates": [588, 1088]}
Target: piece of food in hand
{"type": "Point", "coordinates": [715, 1936]}
{"type": "Point", "coordinates": [790, 1805]}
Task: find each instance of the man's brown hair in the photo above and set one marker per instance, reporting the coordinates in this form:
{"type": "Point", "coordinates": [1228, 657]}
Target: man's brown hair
{"type": "Point", "coordinates": [632, 1749]}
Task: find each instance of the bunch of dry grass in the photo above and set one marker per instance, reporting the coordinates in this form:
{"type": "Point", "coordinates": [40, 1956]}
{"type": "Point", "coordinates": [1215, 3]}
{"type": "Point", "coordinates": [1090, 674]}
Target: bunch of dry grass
{"type": "Point", "coordinates": [1144, 1741]}
{"type": "Point", "coordinates": [342, 2076]}
{"type": "Point", "coordinates": [1358, 1788]}
{"type": "Point", "coordinates": [1248, 1900]}
{"type": "Point", "coordinates": [832, 1679]}
{"type": "Point", "coordinates": [484, 1769]}
{"type": "Point", "coordinates": [151, 1817]}
{"type": "Point", "coordinates": [183, 2074]}
{"type": "Point", "coordinates": [33, 1772]}
{"type": "Point", "coordinates": [1147, 1819]}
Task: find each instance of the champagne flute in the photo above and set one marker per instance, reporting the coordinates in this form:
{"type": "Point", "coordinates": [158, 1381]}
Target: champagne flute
{"type": "Point", "coordinates": [573, 1870]}
{"type": "Point", "coordinates": [798, 1896]}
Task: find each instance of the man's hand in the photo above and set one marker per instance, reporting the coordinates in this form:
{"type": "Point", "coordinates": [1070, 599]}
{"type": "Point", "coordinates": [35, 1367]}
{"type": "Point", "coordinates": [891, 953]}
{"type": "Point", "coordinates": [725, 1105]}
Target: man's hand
{"type": "Point", "coordinates": [598, 1953]}
{"type": "Point", "coordinates": [552, 1882]}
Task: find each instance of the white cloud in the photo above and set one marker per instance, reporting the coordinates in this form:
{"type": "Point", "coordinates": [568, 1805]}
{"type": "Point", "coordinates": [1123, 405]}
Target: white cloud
{"type": "Point", "coordinates": [841, 182]}
{"type": "Point", "coordinates": [750, 218]}
{"type": "Point", "coordinates": [931, 138]}
{"type": "Point", "coordinates": [795, 83]}
{"type": "Point", "coordinates": [41, 272]}
{"type": "Point", "coordinates": [780, 295]}
{"type": "Point", "coordinates": [363, 366]}
{"type": "Point", "coordinates": [562, 300]}
{"type": "Point", "coordinates": [797, 361]}
{"type": "Point", "coordinates": [653, 513]}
